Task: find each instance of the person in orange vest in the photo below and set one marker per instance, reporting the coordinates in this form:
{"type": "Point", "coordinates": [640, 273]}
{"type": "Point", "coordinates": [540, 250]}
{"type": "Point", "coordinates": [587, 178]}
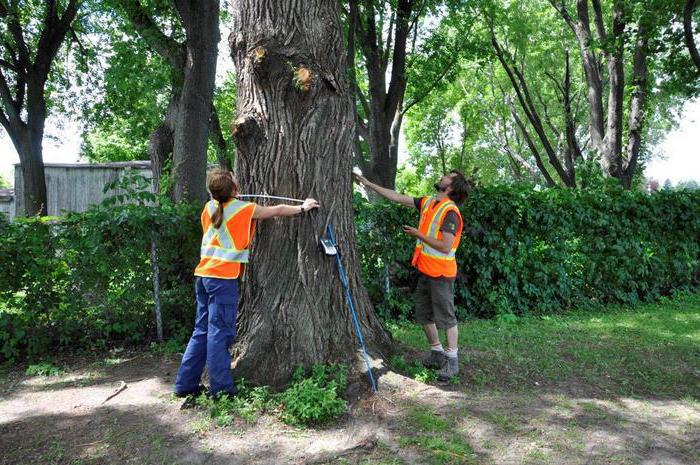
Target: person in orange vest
{"type": "Point", "coordinates": [437, 238]}
{"type": "Point", "coordinates": [228, 226]}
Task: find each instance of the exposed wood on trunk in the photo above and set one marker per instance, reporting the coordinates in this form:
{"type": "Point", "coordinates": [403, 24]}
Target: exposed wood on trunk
{"type": "Point", "coordinates": [296, 143]}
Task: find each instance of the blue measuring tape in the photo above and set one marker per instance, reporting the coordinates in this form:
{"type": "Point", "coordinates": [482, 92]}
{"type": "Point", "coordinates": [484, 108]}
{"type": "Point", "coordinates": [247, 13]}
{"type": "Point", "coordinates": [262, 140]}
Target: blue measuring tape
{"type": "Point", "coordinates": [331, 248]}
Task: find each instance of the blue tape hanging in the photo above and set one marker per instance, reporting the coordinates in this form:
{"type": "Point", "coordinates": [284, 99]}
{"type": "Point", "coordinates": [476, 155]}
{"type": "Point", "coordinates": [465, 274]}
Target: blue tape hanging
{"type": "Point", "coordinates": [331, 248]}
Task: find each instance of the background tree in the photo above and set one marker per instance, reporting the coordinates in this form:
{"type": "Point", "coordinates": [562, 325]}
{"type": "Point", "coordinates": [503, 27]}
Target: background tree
{"type": "Point", "coordinates": [32, 34]}
{"type": "Point", "coordinates": [191, 51]}
{"type": "Point", "coordinates": [294, 137]}
{"type": "Point", "coordinates": [392, 39]}
{"type": "Point", "coordinates": [689, 31]}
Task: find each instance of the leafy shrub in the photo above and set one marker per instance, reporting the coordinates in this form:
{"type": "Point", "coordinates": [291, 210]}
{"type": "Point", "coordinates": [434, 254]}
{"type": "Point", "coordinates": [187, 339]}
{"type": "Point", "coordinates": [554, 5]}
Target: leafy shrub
{"type": "Point", "coordinates": [309, 400]}
{"type": "Point", "coordinates": [315, 399]}
{"type": "Point", "coordinates": [44, 369]}
{"type": "Point", "coordinates": [526, 252]}
{"type": "Point", "coordinates": [86, 279]}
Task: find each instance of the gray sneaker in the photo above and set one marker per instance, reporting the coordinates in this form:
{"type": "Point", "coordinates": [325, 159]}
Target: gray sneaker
{"type": "Point", "coordinates": [451, 369]}
{"type": "Point", "coordinates": [435, 360]}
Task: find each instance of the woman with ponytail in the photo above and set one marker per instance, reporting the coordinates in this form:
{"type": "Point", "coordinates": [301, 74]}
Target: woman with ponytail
{"type": "Point", "coordinates": [228, 225]}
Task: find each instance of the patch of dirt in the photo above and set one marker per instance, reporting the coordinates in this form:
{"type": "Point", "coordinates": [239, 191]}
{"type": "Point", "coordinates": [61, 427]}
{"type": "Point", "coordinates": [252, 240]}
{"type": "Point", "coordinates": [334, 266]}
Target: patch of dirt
{"type": "Point", "coordinates": [71, 419]}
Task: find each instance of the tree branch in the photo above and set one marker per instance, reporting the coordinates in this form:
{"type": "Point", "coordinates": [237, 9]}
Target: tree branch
{"type": "Point", "coordinates": [13, 111]}
{"type": "Point", "coordinates": [688, 32]}
{"type": "Point", "coordinates": [173, 51]}
{"type": "Point", "coordinates": [12, 17]}
{"type": "Point", "coordinates": [432, 86]}
{"type": "Point", "coordinates": [397, 84]}
{"type": "Point", "coordinates": [533, 148]}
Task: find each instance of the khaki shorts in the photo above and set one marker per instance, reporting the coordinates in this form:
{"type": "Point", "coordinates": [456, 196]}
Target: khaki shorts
{"type": "Point", "coordinates": [434, 302]}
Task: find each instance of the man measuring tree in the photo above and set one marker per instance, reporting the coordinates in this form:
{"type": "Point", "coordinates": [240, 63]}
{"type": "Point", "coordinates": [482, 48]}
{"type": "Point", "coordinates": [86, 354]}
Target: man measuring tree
{"type": "Point", "coordinates": [437, 238]}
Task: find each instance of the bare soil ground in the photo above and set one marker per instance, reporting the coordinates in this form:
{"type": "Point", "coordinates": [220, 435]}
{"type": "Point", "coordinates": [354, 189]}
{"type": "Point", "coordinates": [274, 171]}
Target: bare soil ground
{"type": "Point", "coordinates": [66, 419]}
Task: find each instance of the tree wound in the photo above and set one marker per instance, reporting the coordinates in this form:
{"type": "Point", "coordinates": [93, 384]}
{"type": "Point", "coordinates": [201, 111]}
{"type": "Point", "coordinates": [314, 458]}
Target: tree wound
{"type": "Point", "coordinates": [259, 54]}
{"type": "Point", "coordinates": [243, 126]}
{"type": "Point", "coordinates": [303, 78]}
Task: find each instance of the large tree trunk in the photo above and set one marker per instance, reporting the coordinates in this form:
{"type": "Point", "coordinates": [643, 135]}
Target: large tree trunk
{"type": "Point", "coordinates": [201, 22]}
{"type": "Point", "coordinates": [29, 71]}
{"type": "Point", "coordinates": [32, 165]}
{"type": "Point", "coordinates": [28, 140]}
{"type": "Point", "coordinates": [611, 158]}
{"type": "Point", "coordinates": [294, 136]}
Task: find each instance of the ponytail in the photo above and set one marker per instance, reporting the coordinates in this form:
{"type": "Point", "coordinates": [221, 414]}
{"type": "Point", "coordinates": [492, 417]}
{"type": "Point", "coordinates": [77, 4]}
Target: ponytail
{"type": "Point", "coordinates": [218, 215]}
{"type": "Point", "coordinates": [222, 187]}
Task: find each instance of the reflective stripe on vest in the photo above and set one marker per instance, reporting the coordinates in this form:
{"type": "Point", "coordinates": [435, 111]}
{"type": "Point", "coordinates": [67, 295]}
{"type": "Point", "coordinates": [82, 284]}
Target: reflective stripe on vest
{"type": "Point", "coordinates": [434, 229]}
{"type": "Point", "coordinates": [226, 250]}
{"type": "Point", "coordinates": [427, 259]}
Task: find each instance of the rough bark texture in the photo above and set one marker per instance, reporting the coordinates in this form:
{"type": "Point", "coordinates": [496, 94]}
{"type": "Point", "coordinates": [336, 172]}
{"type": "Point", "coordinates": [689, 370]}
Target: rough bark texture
{"type": "Point", "coordinates": [294, 136]}
{"type": "Point", "coordinates": [28, 77]}
{"type": "Point", "coordinates": [201, 22]}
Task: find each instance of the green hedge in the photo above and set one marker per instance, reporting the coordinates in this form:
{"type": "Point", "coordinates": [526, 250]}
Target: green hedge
{"type": "Point", "coordinates": [84, 280]}
{"type": "Point", "coordinates": [538, 252]}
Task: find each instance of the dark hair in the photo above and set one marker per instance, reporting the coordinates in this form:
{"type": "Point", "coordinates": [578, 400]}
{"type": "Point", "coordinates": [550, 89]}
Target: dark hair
{"type": "Point", "coordinates": [460, 187]}
{"type": "Point", "coordinates": [222, 188]}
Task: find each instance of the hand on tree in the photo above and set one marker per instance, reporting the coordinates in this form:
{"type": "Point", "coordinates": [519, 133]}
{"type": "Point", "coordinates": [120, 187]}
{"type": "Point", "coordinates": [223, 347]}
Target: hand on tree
{"type": "Point", "coordinates": [410, 230]}
{"type": "Point", "coordinates": [359, 179]}
{"type": "Point", "coordinates": [310, 204]}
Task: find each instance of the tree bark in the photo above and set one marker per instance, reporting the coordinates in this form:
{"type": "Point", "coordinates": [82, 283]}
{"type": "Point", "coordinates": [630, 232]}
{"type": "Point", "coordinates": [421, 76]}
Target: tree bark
{"type": "Point", "coordinates": [689, 33]}
{"type": "Point", "coordinates": [636, 115]}
{"type": "Point", "coordinates": [201, 22]}
{"type": "Point", "coordinates": [193, 70]}
{"type": "Point", "coordinates": [29, 75]}
{"type": "Point", "coordinates": [611, 155]}
{"type": "Point", "coordinates": [216, 137]}
{"type": "Point", "coordinates": [294, 136]}
{"type": "Point", "coordinates": [384, 102]}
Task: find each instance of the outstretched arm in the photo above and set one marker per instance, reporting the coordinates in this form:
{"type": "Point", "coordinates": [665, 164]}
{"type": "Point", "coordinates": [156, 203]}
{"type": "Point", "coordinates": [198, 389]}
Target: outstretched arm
{"type": "Point", "coordinates": [284, 210]}
{"type": "Point", "coordinates": [384, 192]}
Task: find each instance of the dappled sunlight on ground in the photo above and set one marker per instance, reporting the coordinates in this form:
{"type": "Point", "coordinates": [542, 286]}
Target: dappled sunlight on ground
{"type": "Point", "coordinates": [615, 388]}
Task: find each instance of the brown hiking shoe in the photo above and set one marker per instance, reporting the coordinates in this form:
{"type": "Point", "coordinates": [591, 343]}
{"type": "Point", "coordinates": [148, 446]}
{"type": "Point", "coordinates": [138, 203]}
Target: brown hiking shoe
{"type": "Point", "coordinates": [435, 360]}
{"type": "Point", "coordinates": [450, 370]}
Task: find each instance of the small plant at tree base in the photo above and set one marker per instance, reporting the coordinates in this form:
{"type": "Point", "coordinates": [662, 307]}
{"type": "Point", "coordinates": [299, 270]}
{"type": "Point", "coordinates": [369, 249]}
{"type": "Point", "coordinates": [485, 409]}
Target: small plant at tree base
{"type": "Point", "coordinates": [413, 369]}
{"type": "Point", "coordinates": [311, 400]}
{"type": "Point", "coordinates": [316, 399]}
{"type": "Point", "coordinates": [44, 369]}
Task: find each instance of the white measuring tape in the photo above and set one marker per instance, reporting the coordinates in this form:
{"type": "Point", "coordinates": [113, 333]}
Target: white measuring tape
{"type": "Point", "coordinates": [270, 197]}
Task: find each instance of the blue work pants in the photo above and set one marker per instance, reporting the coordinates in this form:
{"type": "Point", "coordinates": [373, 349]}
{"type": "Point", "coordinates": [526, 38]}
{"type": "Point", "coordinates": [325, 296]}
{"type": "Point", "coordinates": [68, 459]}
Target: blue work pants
{"type": "Point", "coordinates": [214, 332]}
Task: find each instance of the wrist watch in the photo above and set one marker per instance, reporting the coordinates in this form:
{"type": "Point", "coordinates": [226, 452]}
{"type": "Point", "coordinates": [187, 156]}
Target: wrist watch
{"type": "Point", "coordinates": [302, 208]}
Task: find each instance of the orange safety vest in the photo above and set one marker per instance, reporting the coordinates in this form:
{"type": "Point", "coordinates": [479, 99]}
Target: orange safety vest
{"type": "Point", "coordinates": [224, 249]}
{"type": "Point", "coordinates": [429, 261]}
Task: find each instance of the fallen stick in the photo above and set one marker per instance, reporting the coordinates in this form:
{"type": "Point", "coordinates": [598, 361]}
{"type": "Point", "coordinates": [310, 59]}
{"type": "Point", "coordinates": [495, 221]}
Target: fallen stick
{"type": "Point", "coordinates": [116, 392]}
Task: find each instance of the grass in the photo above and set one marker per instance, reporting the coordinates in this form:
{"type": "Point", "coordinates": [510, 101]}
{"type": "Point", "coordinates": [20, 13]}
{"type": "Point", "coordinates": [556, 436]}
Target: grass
{"type": "Point", "coordinates": [650, 350]}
